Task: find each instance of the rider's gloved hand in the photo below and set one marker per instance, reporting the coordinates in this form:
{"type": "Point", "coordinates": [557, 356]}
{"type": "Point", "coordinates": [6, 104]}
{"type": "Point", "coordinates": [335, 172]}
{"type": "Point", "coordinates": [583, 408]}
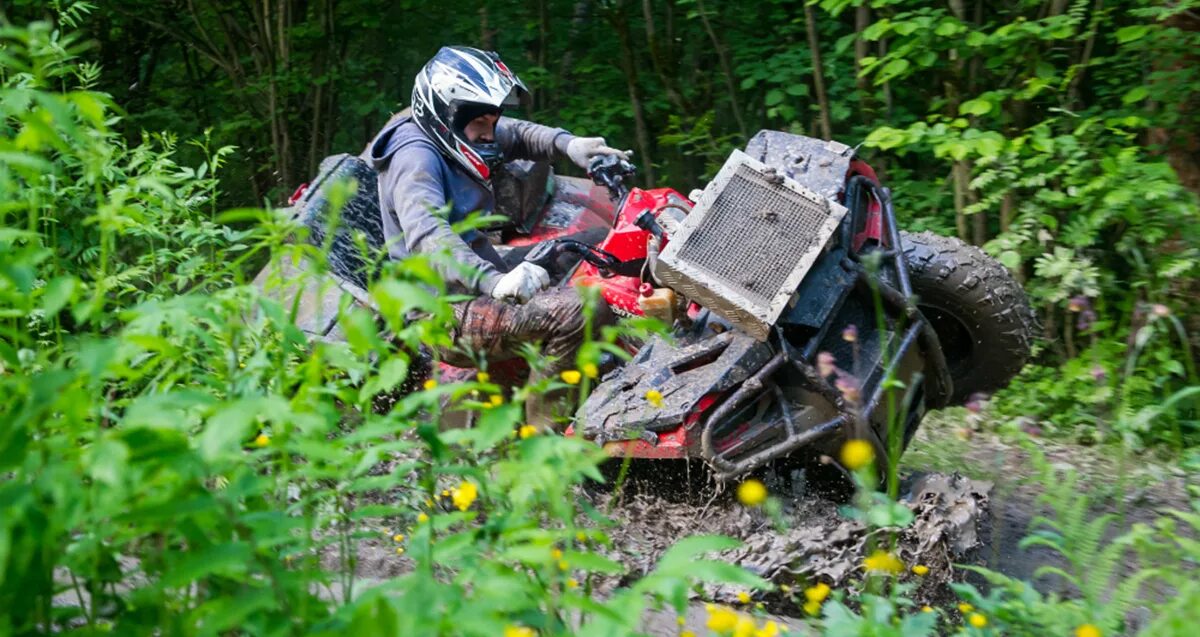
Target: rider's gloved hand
{"type": "Point", "coordinates": [521, 283]}
{"type": "Point", "coordinates": [582, 149]}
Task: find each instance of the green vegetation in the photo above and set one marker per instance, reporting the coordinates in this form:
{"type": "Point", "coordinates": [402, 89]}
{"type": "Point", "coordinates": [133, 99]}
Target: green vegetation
{"type": "Point", "coordinates": [1058, 134]}
{"type": "Point", "coordinates": [177, 457]}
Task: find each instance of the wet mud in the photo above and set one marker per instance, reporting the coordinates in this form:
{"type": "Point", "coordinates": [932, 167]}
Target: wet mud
{"type": "Point", "coordinates": [814, 538]}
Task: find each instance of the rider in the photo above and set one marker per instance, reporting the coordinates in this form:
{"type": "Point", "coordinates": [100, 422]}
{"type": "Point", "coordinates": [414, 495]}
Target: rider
{"type": "Point", "coordinates": [442, 156]}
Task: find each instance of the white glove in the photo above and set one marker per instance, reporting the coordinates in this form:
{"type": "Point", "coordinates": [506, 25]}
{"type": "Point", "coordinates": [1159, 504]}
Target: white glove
{"type": "Point", "coordinates": [582, 149]}
{"type": "Point", "coordinates": [521, 283]}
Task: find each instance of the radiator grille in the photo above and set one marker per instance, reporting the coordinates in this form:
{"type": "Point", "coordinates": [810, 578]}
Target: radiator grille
{"type": "Point", "coordinates": [747, 244]}
{"type": "Point", "coordinates": [753, 234]}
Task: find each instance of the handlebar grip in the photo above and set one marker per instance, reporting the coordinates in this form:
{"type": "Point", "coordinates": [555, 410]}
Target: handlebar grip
{"type": "Point", "coordinates": [542, 254]}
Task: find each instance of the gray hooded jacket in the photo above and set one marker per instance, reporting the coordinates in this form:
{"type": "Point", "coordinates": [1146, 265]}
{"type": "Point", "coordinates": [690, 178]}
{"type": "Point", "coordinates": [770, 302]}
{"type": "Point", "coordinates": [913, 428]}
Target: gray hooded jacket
{"type": "Point", "coordinates": [416, 180]}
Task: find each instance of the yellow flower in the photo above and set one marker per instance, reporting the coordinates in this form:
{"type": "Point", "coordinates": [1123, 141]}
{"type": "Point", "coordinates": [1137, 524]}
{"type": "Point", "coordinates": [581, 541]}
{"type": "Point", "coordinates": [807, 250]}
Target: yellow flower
{"type": "Point", "coordinates": [399, 537]}
{"type": "Point", "coordinates": [687, 633]}
{"type": "Point", "coordinates": [681, 620]}
{"type": "Point", "coordinates": [571, 376]}
{"type": "Point", "coordinates": [562, 565]}
{"type": "Point", "coordinates": [965, 608]}
{"type": "Point", "coordinates": [590, 370]}
{"type": "Point", "coordinates": [857, 454]}
{"type": "Point", "coordinates": [977, 620]}
{"type": "Point", "coordinates": [580, 536]}
{"type": "Point", "coordinates": [1088, 630]}
{"type": "Point", "coordinates": [785, 588]}
{"type": "Point", "coordinates": [399, 550]}
{"type": "Point", "coordinates": [884, 562]}
{"type": "Point", "coordinates": [926, 609]}
{"type": "Point", "coordinates": [556, 554]}
{"type": "Point", "coordinates": [769, 629]}
{"type": "Point", "coordinates": [743, 597]}
{"type": "Point", "coordinates": [483, 377]}
{"type": "Point", "coordinates": [464, 495]}
{"type": "Point", "coordinates": [721, 619]}
{"type": "Point", "coordinates": [445, 493]}
{"type": "Point", "coordinates": [744, 627]}
{"type": "Point", "coordinates": [262, 440]}
{"type": "Point", "coordinates": [752, 493]}
{"type": "Point", "coordinates": [654, 397]}
{"type": "Point", "coordinates": [572, 583]}
{"type": "Point", "coordinates": [817, 593]}
{"type": "Point", "coordinates": [527, 431]}
{"type": "Point", "coordinates": [430, 384]}
{"type": "Point", "coordinates": [496, 400]}
{"type": "Point", "coordinates": [920, 569]}
{"type": "Point", "coordinates": [812, 608]}
{"type": "Point", "coordinates": [519, 631]}
{"type": "Point", "coordinates": [422, 518]}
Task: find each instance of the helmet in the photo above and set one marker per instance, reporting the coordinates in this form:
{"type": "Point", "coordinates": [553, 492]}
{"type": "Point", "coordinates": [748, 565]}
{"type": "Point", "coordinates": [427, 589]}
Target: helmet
{"type": "Point", "coordinates": [456, 86]}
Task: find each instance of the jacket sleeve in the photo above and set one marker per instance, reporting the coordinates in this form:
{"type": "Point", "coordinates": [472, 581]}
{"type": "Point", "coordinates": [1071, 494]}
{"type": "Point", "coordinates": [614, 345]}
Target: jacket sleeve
{"type": "Point", "coordinates": [417, 195]}
{"type": "Point", "coordinates": [520, 139]}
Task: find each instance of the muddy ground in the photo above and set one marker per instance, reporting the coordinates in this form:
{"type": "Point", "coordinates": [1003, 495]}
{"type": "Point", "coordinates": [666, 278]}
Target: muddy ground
{"type": "Point", "coordinates": [974, 495]}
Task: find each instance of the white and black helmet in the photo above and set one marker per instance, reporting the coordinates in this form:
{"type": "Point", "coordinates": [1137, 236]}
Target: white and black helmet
{"type": "Point", "coordinates": [456, 86]}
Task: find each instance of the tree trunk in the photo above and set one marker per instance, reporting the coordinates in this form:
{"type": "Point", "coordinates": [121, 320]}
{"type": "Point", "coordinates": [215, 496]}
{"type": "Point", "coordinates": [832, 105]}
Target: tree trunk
{"type": "Point", "coordinates": [579, 19]}
{"type": "Point", "coordinates": [661, 64]}
{"type": "Point", "coordinates": [862, 20]}
{"type": "Point", "coordinates": [485, 33]}
{"type": "Point", "coordinates": [629, 66]}
{"type": "Point", "coordinates": [961, 177]}
{"type": "Point", "coordinates": [726, 69]}
{"type": "Point", "coordinates": [810, 23]}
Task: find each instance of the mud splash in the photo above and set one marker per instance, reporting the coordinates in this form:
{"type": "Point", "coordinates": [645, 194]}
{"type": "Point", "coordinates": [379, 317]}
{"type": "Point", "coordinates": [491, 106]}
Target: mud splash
{"type": "Point", "coordinates": [817, 540]}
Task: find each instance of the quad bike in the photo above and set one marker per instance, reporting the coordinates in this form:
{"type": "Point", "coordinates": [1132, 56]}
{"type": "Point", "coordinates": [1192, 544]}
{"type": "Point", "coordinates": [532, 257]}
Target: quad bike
{"type": "Point", "coordinates": [800, 314]}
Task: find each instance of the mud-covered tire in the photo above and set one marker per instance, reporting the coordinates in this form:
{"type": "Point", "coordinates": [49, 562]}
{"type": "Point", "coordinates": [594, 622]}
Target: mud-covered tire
{"type": "Point", "coordinates": [979, 311]}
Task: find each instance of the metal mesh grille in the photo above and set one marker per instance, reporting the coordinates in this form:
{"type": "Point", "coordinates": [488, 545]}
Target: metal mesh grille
{"type": "Point", "coordinates": [754, 234]}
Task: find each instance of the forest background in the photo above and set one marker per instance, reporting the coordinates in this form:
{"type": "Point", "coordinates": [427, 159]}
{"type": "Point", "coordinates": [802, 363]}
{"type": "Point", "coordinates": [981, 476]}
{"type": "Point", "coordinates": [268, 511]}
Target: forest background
{"type": "Point", "coordinates": [175, 462]}
{"type": "Point", "coordinates": [1062, 136]}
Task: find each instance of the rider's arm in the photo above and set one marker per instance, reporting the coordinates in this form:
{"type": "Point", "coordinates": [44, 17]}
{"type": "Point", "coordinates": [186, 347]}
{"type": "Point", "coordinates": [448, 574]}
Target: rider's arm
{"type": "Point", "coordinates": [413, 180]}
{"type": "Point", "coordinates": [525, 140]}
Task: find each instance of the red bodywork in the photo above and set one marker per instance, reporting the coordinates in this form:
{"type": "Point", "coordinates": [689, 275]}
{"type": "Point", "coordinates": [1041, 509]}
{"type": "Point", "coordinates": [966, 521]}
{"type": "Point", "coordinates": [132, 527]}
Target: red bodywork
{"type": "Point", "coordinates": [628, 242]}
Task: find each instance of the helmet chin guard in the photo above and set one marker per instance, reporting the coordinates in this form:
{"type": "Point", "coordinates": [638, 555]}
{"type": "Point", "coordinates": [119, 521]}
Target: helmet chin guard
{"type": "Point", "coordinates": [458, 85]}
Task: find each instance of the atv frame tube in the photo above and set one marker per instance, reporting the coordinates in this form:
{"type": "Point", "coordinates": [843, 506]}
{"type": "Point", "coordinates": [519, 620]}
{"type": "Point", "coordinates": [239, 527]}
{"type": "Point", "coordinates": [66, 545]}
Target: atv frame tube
{"type": "Point", "coordinates": [899, 302]}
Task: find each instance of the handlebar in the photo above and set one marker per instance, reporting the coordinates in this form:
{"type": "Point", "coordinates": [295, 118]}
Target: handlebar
{"type": "Point", "coordinates": [544, 254]}
{"type": "Point", "coordinates": [611, 172]}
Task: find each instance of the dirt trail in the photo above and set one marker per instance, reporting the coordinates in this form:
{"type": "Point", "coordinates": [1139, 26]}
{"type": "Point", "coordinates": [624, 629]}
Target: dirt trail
{"type": "Point", "coordinates": [974, 499]}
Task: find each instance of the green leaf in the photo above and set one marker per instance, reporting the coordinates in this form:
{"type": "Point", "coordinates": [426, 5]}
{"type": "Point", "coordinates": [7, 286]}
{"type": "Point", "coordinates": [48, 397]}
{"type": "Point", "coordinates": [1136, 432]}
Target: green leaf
{"type": "Point", "coordinates": [106, 460]}
{"type": "Point", "coordinates": [496, 424]}
{"type": "Point", "coordinates": [1010, 259]}
{"type": "Point", "coordinates": [592, 562]}
{"type": "Point", "coordinates": [774, 96]}
{"type": "Point", "coordinates": [1135, 94]}
{"type": "Point", "coordinates": [892, 69]}
{"type": "Point", "coordinates": [375, 618]}
{"type": "Point", "coordinates": [689, 548]}
{"type": "Point", "coordinates": [975, 107]}
{"type": "Point", "coordinates": [57, 294]}
{"type": "Point", "coordinates": [233, 424]}
{"type": "Point", "coordinates": [1131, 33]}
{"type": "Point", "coordinates": [226, 558]}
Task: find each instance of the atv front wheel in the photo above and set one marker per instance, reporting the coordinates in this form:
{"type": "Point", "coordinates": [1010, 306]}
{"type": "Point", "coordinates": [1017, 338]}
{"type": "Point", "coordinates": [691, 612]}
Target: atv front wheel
{"type": "Point", "coordinates": [980, 313]}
